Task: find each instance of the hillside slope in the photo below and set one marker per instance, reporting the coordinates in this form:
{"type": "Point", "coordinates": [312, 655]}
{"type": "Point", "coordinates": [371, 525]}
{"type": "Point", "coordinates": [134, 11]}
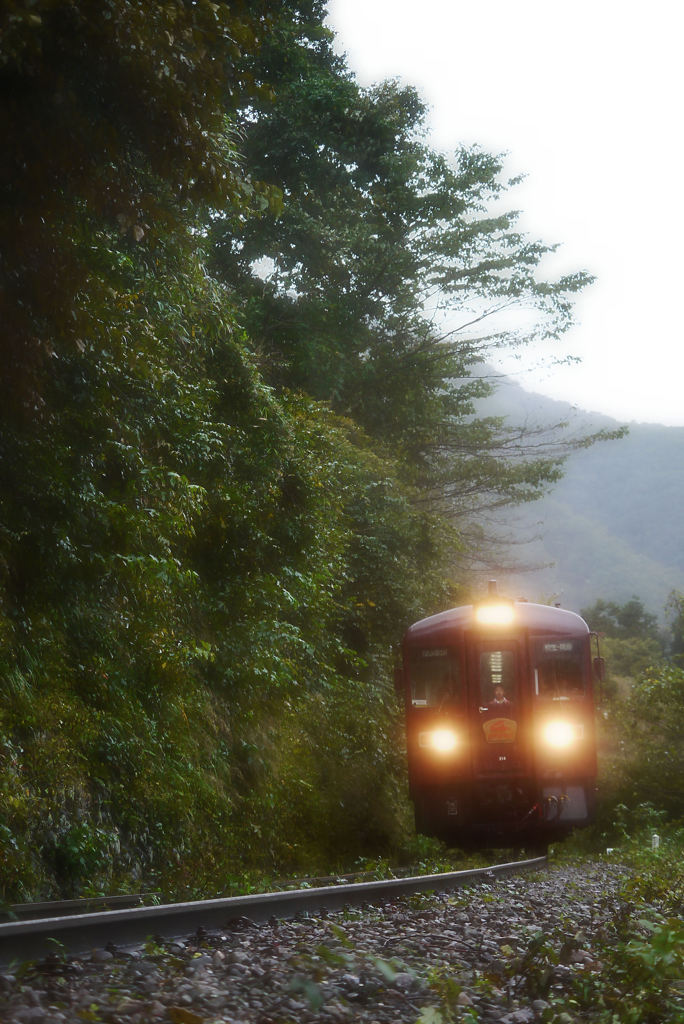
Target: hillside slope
{"type": "Point", "coordinates": [613, 526]}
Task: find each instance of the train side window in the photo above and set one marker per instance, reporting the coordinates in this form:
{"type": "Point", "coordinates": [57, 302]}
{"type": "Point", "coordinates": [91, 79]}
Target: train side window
{"type": "Point", "coordinates": [497, 679]}
{"type": "Point", "coordinates": [558, 669]}
{"type": "Point", "coordinates": [435, 678]}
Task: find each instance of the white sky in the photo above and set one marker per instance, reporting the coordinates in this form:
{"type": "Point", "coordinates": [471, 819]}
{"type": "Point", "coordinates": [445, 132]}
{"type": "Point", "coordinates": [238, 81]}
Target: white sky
{"type": "Point", "coordinates": [586, 98]}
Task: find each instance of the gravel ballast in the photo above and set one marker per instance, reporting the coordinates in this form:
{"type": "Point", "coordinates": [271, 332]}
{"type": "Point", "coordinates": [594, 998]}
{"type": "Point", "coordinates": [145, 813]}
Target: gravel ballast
{"type": "Point", "coordinates": [469, 950]}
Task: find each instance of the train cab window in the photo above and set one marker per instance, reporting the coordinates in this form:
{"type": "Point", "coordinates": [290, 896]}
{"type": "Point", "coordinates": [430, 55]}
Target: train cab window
{"type": "Point", "coordinates": [435, 678]}
{"type": "Point", "coordinates": [497, 680]}
{"type": "Point", "coordinates": [558, 669]}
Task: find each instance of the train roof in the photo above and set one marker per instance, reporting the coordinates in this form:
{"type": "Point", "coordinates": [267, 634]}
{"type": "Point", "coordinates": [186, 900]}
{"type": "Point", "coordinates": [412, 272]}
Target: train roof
{"type": "Point", "coordinates": [532, 618]}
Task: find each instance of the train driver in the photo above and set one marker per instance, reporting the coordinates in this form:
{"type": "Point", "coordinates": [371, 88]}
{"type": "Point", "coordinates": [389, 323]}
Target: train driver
{"type": "Point", "coordinates": [499, 699]}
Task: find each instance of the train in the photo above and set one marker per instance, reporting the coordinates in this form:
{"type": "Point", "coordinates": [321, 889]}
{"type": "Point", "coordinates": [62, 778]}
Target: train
{"type": "Point", "coordinates": [500, 723]}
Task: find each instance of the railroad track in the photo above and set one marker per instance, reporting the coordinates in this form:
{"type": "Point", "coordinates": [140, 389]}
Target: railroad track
{"type": "Point", "coordinates": [74, 933]}
{"type": "Point", "coordinates": [63, 908]}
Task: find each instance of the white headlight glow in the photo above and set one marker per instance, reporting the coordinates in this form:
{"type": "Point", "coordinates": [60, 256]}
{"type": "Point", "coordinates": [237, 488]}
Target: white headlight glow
{"type": "Point", "coordinates": [441, 740]}
{"type": "Point", "coordinates": [560, 734]}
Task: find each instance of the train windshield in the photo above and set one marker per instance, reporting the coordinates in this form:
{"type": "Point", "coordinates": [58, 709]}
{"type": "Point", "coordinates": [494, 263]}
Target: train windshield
{"type": "Point", "coordinates": [558, 668]}
{"type": "Point", "coordinates": [497, 680]}
{"type": "Point", "coordinates": [435, 678]}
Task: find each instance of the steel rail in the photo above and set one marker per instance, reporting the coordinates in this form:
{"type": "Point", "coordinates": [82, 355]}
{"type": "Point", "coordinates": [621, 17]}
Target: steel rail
{"type": "Point", "coordinates": [83, 905]}
{"type": "Point", "coordinates": [81, 933]}
{"type": "Point", "coordinates": [88, 904]}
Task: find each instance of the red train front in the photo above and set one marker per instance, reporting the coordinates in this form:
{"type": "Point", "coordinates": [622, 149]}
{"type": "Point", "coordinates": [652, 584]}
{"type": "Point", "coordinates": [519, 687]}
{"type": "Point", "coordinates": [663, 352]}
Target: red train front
{"type": "Point", "coordinates": [500, 723]}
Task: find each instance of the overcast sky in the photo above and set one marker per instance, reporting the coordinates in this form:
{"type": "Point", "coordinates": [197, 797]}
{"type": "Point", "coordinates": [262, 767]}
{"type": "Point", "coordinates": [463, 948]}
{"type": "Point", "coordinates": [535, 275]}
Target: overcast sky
{"type": "Point", "coordinates": [586, 98]}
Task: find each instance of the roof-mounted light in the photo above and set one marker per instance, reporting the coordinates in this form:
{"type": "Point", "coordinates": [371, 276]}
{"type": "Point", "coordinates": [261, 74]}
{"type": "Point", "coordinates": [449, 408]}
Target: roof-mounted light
{"type": "Point", "coordinates": [500, 613]}
{"type": "Point", "coordinates": [495, 610]}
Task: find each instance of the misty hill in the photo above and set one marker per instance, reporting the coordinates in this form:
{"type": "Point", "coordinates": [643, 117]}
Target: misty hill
{"type": "Point", "coordinates": [613, 527]}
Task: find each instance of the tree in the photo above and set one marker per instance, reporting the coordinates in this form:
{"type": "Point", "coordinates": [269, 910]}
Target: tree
{"type": "Point", "coordinates": [211, 517]}
{"type": "Point", "coordinates": [652, 741]}
{"type": "Point", "coordinates": [626, 620]}
{"type": "Point", "coordinates": [120, 120]}
{"type": "Point", "coordinates": [183, 552]}
{"type": "Point", "coordinates": [631, 636]}
{"type": "Point", "coordinates": [339, 292]}
{"type": "Point", "coordinates": [675, 612]}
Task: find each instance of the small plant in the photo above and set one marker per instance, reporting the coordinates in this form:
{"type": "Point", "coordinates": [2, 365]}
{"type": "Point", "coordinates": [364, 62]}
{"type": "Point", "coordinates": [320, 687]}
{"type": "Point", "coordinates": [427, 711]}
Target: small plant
{"type": "Point", "coordinates": [533, 971]}
{"type": "Point", "coordinates": [453, 1005]}
{"type": "Point", "coordinates": [640, 982]}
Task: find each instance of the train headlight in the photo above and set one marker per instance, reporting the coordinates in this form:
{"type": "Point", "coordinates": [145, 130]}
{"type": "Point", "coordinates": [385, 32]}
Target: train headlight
{"type": "Point", "coordinates": [442, 740]}
{"type": "Point", "coordinates": [560, 734]}
{"type": "Point", "coordinates": [499, 613]}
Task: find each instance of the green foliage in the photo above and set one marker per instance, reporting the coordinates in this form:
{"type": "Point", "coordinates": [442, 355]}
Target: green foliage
{"type": "Point", "coordinates": [633, 968]}
{"type": "Point", "coordinates": [221, 497]}
{"type": "Point", "coordinates": [631, 640]}
{"type": "Point", "coordinates": [639, 736]}
{"type": "Point", "coordinates": [121, 119]}
{"type": "Point", "coordinates": [637, 982]}
{"type": "Point", "coordinates": [628, 658]}
{"type": "Point", "coordinates": [642, 972]}
{"type": "Point", "coordinates": [337, 791]}
{"type": "Point", "coordinates": [675, 612]}
{"type": "Point", "coordinates": [204, 559]}
{"type": "Point", "coordinates": [629, 969]}
{"type": "Point", "coordinates": [376, 225]}
{"type": "Point", "coordinates": [447, 989]}
{"type": "Point", "coordinates": [651, 727]}
{"type": "Point", "coordinates": [629, 620]}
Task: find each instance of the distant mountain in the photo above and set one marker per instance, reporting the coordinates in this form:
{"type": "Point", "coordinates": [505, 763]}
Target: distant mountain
{"type": "Point", "coordinates": [613, 527]}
